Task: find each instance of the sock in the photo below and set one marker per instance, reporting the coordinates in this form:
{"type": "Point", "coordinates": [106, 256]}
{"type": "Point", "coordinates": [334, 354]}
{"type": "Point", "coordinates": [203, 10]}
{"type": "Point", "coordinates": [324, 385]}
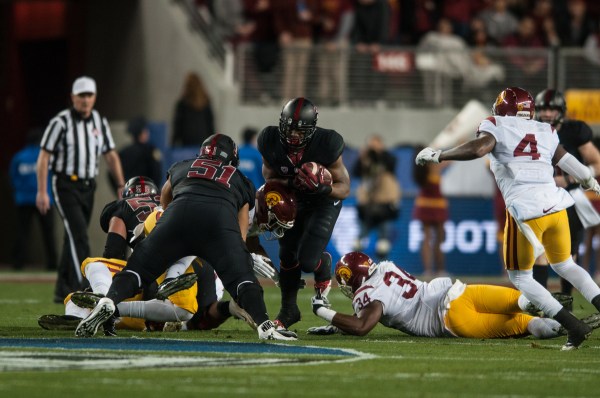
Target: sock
{"type": "Point", "coordinates": [566, 287]}
{"type": "Point", "coordinates": [540, 274]}
{"type": "Point", "coordinates": [543, 328]}
{"type": "Point", "coordinates": [534, 292]}
{"type": "Point", "coordinates": [596, 302]}
{"type": "Point", "coordinates": [250, 298]}
{"type": "Point", "coordinates": [125, 284]}
{"type": "Point", "coordinates": [568, 320]}
{"type": "Point", "coordinates": [223, 309]}
{"type": "Point", "coordinates": [99, 276]}
{"type": "Point", "coordinates": [289, 284]}
{"type": "Point", "coordinates": [578, 277]}
{"type": "Point", "coordinates": [154, 310]}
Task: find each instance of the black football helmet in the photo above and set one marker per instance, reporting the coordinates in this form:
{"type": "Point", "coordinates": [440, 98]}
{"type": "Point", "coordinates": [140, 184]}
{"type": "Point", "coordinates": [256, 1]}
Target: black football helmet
{"type": "Point", "coordinates": [275, 208]}
{"type": "Point", "coordinates": [221, 147]}
{"type": "Point", "coordinates": [551, 99]}
{"type": "Point", "coordinates": [138, 186]}
{"type": "Point", "coordinates": [514, 101]}
{"type": "Point", "coordinates": [298, 114]}
{"type": "Point", "coordinates": [352, 270]}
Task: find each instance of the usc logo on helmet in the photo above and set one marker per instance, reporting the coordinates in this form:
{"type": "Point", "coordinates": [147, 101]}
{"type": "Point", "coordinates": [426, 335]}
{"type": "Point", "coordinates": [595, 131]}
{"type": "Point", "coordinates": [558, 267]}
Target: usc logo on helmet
{"type": "Point", "coordinates": [344, 273]}
{"type": "Point", "coordinates": [500, 98]}
{"type": "Point", "coordinates": [273, 198]}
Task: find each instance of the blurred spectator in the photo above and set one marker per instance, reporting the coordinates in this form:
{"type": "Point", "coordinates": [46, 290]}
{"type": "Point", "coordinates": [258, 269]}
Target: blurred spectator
{"type": "Point", "coordinates": [24, 184]}
{"type": "Point", "coordinates": [229, 22]}
{"type": "Point", "coordinates": [460, 13]}
{"type": "Point", "coordinates": [193, 121]}
{"type": "Point", "coordinates": [333, 32]}
{"type": "Point", "coordinates": [431, 208]}
{"type": "Point", "coordinates": [592, 48]}
{"type": "Point", "coordinates": [378, 195]}
{"type": "Point", "coordinates": [368, 33]}
{"type": "Point", "coordinates": [421, 16]}
{"type": "Point", "coordinates": [250, 157]}
{"type": "Point", "coordinates": [575, 27]}
{"type": "Point", "coordinates": [499, 21]}
{"type": "Point", "coordinates": [265, 48]}
{"type": "Point", "coordinates": [140, 158]}
{"type": "Point", "coordinates": [529, 65]}
{"type": "Point", "coordinates": [543, 16]}
{"type": "Point", "coordinates": [294, 21]}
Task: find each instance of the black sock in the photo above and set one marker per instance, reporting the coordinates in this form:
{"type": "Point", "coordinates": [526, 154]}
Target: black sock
{"type": "Point", "coordinates": [289, 285]}
{"type": "Point", "coordinates": [223, 309]}
{"type": "Point", "coordinates": [596, 302]}
{"type": "Point", "coordinates": [250, 298]}
{"type": "Point", "coordinates": [540, 274]}
{"type": "Point", "coordinates": [566, 287]}
{"type": "Point", "coordinates": [567, 320]}
{"type": "Point", "coordinates": [124, 285]}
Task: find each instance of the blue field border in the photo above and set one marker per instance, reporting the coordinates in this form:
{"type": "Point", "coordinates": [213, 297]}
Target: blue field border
{"type": "Point", "coordinates": [137, 344]}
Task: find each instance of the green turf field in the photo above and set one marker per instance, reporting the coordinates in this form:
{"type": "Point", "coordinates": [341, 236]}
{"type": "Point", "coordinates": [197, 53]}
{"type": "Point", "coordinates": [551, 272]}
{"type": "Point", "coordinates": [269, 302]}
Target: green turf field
{"type": "Point", "coordinates": [384, 364]}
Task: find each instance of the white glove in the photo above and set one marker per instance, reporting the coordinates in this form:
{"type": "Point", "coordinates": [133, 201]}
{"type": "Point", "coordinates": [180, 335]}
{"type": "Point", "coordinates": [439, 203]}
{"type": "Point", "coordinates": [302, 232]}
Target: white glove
{"type": "Point", "coordinates": [590, 184]}
{"type": "Point", "coordinates": [323, 330]}
{"type": "Point", "coordinates": [263, 267]}
{"type": "Point", "coordinates": [428, 155]}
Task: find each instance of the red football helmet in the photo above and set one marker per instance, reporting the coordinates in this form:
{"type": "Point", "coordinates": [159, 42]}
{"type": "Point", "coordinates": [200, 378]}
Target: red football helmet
{"type": "Point", "coordinates": [275, 208]}
{"type": "Point", "coordinates": [514, 101]}
{"type": "Point", "coordinates": [352, 270]}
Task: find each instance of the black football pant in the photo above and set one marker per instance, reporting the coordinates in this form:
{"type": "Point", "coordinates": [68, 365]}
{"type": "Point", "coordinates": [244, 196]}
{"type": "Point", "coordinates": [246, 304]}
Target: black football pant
{"type": "Point", "coordinates": [206, 228]}
{"type": "Point", "coordinates": [301, 247]}
{"type": "Point", "coordinates": [74, 201]}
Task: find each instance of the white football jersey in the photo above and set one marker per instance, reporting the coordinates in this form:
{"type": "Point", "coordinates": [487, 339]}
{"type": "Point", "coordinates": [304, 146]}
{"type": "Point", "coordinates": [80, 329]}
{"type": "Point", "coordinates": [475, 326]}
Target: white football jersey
{"type": "Point", "coordinates": [522, 165]}
{"type": "Point", "coordinates": [409, 305]}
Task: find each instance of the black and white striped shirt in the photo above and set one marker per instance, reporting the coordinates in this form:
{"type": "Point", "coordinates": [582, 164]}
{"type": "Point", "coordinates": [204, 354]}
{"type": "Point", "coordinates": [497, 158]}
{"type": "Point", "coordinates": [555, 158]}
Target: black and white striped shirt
{"type": "Point", "coordinates": [76, 144]}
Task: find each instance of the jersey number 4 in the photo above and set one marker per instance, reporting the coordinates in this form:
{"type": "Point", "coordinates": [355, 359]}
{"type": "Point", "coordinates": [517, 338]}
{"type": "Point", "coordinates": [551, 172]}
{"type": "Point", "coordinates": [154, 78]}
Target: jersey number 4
{"type": "Point", "coordinates": [211, 170]}
{"type": "Point", "coordinates": [528, 140]}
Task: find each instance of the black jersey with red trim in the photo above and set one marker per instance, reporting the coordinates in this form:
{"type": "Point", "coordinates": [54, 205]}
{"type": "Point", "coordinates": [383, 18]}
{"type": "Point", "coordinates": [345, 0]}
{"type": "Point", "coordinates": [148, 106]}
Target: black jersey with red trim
{"type": "Point", "coordinates": [573, 134]}
{"type": "Point", "coordinates": [325, 147]}
{"type": "Point", "coordinates": [131, 210]}
{"type": "Point", "coordinates": [212, 179]}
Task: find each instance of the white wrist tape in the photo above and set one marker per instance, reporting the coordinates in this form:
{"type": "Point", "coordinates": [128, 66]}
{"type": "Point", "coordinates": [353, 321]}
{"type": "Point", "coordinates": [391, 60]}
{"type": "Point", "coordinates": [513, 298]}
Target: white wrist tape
{"type": "Point", "coordinates": [571, 165]}
{"type": "Point", "coordinates": [326, 313]}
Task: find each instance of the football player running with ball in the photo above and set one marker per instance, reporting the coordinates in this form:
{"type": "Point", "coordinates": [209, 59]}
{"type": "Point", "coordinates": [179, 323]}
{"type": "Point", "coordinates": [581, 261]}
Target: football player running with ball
{"type": "Point", "coordinates": [523, 153]}
{"type": "Point", "coordinates": [309, 159]}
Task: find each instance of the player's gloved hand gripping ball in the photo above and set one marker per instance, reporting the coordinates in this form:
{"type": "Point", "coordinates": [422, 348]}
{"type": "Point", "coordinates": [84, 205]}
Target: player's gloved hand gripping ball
{"type": "Point", "coordinates": [313, 178]}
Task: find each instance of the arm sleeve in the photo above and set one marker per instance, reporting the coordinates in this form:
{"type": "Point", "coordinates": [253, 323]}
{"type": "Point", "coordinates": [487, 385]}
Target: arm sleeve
{"type": "Point", "coordinates": [573, 167]}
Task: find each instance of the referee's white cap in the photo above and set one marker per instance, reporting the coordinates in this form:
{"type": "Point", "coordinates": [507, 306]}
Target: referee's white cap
{"type": "Point", "coordinates": [84, 84]}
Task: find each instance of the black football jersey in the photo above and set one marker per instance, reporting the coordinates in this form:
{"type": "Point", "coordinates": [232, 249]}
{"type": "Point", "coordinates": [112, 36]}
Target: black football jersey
{"type": "Point", "coordinates": [573, 134]}
{"type": "Point", "coordinates": [211, 178]}
{"type": "Point", "coordinates": [132, 211]}
{"type": "Point", "coordinates": [325, 147]}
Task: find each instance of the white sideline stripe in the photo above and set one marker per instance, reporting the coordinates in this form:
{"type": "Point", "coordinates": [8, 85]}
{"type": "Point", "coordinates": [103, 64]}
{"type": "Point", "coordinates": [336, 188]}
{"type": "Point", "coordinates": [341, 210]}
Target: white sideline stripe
{"type": "Point", "coordinates": [74, 258]}
{"type": "Point", "coordinates": [474, 342]}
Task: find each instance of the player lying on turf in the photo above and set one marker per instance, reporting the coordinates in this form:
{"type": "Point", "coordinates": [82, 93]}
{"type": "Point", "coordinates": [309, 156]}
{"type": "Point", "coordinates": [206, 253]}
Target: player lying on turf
{"type": "Point", "coordinates": [385, 293]}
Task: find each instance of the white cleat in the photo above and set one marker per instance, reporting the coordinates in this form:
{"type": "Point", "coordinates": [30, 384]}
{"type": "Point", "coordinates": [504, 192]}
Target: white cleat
{"type": "Point", "coordinates": [100, 314]}
{"type": "Point", "coordinates": [267, 331]}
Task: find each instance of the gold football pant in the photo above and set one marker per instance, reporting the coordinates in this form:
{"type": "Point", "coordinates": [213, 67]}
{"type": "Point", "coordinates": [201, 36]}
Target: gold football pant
{"type": "Point", "coordinates": [551, 230]}
{"type": "Point", "coordinates": [487, 312]}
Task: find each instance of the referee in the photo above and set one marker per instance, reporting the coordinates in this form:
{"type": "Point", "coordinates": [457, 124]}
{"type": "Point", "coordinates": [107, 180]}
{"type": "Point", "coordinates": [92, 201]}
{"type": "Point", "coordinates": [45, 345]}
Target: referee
{"type": "Point", "coordinates": [70, 147]}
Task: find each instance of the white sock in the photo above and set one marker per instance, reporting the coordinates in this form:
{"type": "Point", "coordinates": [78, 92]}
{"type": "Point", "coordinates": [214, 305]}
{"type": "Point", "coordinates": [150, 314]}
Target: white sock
{"type": "Point", "coordinates": [99, 276]}
{"type": "Point", "coordinates": [578, 277]}
{"type": "Point", "coordinates": [523, 302]}
{"type": "Point", "coordinates": [179, 267]}
{"type": "Point", "coordinates": [534, 292]}
{"type": "Point", "coordinates": [543, 328]}
{"type": "Point", "coordinates": [154, 310]}
{"type": "Point", "coordinates": [72, 309]}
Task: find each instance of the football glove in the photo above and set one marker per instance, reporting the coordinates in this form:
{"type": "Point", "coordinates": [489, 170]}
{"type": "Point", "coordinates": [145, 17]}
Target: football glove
{"type": "Point", "coordinates": [323, 330]}
{"type": "Point", "coordinates": [590, 184]}
{"type": "Point", "coordinates": [428, 155]}
{"type": "Point", "coordinates": [263, 267]}
{"type": "Point", "coordinates": [318, 302]}
{"type": "Point", "coordinates": [310, 183]}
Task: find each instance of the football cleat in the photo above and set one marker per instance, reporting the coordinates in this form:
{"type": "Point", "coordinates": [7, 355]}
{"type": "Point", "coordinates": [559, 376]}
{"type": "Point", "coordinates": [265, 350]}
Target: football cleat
{"type": "Point", "coordinates": [576, 337]}
{"type": "Point", "coordinates": [287, 317]}
{"type": "Point", "coordinates": [592, 321]}
{"type": "Point", "coordinates": [86, 299]}
{"type": "Point", "coordinates": [268, 331]}
{"type": "Point", "coordinates": [103, 311]}
{"type": "Point", "coordinates": [172, 327]}
{"type": "Point", "coordinates": [325, 330]}
{"type": "Point", "coordinates": [239, 313]}
{"type": "Point", "coordinates": [174, 285]}
{"type": "Point", "coordinates": [59, 322]}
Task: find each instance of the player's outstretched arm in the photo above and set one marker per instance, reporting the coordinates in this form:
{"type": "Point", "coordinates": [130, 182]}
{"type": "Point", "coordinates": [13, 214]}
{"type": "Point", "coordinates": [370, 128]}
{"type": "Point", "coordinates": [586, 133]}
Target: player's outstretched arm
{"type": "Point", "coordinates": [359, 325]}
